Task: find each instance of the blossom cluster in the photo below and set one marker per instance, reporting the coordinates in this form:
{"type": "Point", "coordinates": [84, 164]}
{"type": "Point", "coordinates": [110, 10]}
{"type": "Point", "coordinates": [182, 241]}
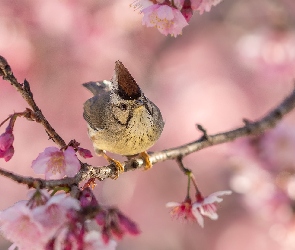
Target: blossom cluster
{"type": "Point", "coordinates": [59, 222]}
{"type": "Point", "coordinates": [171, 16]}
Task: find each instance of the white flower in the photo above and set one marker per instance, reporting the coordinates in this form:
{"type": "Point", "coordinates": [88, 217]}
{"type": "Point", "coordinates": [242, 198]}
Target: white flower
{"type": "Point", "coordinates": [206, 207]}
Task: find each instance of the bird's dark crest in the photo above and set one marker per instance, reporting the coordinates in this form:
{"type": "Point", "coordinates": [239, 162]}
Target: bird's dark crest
{"type": "Point", "coordinates": [127, 86]}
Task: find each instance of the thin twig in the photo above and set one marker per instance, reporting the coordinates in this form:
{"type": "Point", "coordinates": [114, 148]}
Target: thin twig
{"type": "Point", "coordinates": [182, 167]}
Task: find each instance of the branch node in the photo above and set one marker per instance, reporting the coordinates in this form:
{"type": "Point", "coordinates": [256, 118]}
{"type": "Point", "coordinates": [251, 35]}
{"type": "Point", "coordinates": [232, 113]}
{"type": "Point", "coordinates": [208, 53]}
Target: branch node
{"type": "Point", "coordinates": [248, 124]}
{"type": "Point", "coordinates": [27, 89]}
{"type": "Point", "coordinates": [134, 164]}
{"type": "Point", "coordinates": [278, 114]}
{"type": "Point", "coordinates": [38, 116]}
{"type": "Point", "coordinates": [203, 130]}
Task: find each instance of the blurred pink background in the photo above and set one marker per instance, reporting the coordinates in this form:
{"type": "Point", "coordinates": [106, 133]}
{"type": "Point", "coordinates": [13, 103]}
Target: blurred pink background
{"type": "Point", "coordinates": [236, 62]}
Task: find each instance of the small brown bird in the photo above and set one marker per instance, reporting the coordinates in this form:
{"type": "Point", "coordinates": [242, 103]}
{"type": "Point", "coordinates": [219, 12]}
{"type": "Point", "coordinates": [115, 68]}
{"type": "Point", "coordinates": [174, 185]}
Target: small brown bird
{"type": "Point", "coordinates": [120, 118]}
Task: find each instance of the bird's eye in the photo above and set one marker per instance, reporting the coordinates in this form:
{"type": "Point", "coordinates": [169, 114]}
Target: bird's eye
{"type": "Point", "coordinates": [123, 107]}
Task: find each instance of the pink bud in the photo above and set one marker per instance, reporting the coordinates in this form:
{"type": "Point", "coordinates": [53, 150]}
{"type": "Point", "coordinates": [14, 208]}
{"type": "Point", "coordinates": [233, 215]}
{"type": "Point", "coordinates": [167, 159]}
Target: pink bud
{"type": "Point", "coordinates": [115, 224]}
{"type": "Point", "coordinates": [6, 147]}
{"type": "Point", "coordinates": [85, 153]}
{"type": "Point", "coordinates": [87, 198]}
{"type": "Point", "coordinates": [128, 225]}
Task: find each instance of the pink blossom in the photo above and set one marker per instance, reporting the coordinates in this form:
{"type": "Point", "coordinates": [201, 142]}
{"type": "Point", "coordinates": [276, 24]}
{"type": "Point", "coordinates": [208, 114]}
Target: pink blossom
{"type": "Point", "coordinates": [182, 210]}
{"type": "Point", "coordinates": [19, 226]}
{"type": "Point", "coordinates": [76, 236]}
{"type": "Point", "coordinates": [93, 241]}
{"type": "Point", "coordinates": [206, 207]}
{"type": "Point", "coordinates": [53, 213]}
{"type": "Point", "coordinates": [55, 164]}
{"type": "Point", "coordinates": [204, 5]}
{"type": "Point", "coordinates": [33, 227]}
{"type": "Point", "coordinates": [89, 240]}
{"type": "Point", "coordinates": [6, 147]}
{"type": "Point", "coordinates": [202, 206]}
{"type": "Point", "coordinates": [166, 19]}
{"type": "Point", "coordinates": [141, 4]}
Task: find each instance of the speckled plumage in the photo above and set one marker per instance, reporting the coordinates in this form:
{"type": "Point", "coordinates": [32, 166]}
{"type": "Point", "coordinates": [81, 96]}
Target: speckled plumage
{"type": "Point", "coordinates": [120, 118]}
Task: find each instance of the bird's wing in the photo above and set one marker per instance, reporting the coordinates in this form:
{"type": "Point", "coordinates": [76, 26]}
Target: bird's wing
{"type": "Point", "coordinates": [95, 110]}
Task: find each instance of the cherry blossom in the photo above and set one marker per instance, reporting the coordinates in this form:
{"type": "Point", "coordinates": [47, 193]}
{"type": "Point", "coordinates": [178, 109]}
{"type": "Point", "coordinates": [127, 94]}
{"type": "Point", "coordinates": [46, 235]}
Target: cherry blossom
{"type": "Point", "coordinates": [55, 164]}
{"type": "Point", "coordinates": [170, 17]}
{"type": "Point", "coordinates": [90, 240]}
{"type": "Point", "coordinates": [19, 226]}
{"type": "Point", "coordinates": [6, 147]}
{"type": "Point", "coordinates": [201, 207]}
{"type": "Point", "coordinates": [32, 227]}
{"type": "Point", "coordinates": [93, 241]}
{"type": "Point", "coordinates": [204, 5]}
{"type": "Point", "coordinates": [206, 207]}
{"type": "Point", "coordinates": [141, 4]}
{"type": "Point", "coordinates": [166, 19]}
{"type": "Point", "coordinates": [182, 210]}
{"type": "Point", "coordinates": [53, 214]}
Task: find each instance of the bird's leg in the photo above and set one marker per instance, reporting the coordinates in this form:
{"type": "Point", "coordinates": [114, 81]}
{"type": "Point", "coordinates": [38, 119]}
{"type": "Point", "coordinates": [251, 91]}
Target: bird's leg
{"type": "Point", "coordinates": [118, 165]}
{"type": "Point", "coordinates": [146, 159]}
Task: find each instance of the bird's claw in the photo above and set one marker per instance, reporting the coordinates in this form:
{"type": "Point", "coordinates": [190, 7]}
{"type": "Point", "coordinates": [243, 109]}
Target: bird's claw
{"type": "Point", "coordinates": [146, 158]}
{"type": "Point", "coordinates": [118, 165]}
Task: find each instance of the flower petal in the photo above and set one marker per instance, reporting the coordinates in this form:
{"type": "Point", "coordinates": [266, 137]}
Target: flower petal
{"type": "Point", "coordinates": [209, 213]}
{"type": "Point", "coordinates": [198, 216]}
{"type": "Point", "coordinates": [214, 197]}
{"type": "Point", "coordinates": [39, 165]}
{"type": "Point", "coordinates": [173, 204]}
{"type": "Point", "coordinates": [166, 19]}
{"type": "Point", "coordinates": [72, 162]}
{"type": "Point", "coordinates": [53, 176]}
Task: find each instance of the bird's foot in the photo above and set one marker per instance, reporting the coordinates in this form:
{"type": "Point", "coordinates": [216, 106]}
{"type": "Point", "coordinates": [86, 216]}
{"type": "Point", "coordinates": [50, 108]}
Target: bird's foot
{"type": "Point", "coordinates": [118, 165]}
{"type": "Point", "coordinates": [146, 158]}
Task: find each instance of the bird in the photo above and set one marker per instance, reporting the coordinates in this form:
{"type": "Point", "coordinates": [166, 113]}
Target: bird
{"type": "Point", "coordinates": [121, 119]}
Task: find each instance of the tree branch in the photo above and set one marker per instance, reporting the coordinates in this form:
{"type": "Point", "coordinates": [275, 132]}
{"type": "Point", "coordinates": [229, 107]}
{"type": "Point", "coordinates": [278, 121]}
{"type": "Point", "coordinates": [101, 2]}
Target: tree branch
{"type": "Point", "coordinates": [25, 91]}
{"type": "Point", "coordinates": [269, 121]}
